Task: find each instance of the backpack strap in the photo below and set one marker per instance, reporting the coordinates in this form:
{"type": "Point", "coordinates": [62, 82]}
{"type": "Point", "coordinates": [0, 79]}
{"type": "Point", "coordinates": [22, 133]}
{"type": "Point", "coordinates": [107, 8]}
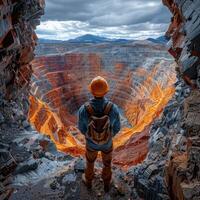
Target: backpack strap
{"type": "Point", "coordinates": [89, 108]}
{"type": "Point", "coordinates": [108, 108]}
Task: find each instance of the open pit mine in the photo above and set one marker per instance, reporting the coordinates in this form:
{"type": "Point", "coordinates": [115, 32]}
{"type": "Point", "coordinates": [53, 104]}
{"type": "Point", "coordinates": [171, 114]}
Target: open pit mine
{"type": "Point", "coordinates": [141, 77]}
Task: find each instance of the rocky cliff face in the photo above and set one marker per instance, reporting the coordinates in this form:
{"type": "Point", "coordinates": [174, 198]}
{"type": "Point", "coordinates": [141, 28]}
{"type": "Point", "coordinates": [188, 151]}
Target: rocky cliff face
{"type": "Point", "coordinates": [171, 169]}
{"type": "Point", "coordinates": [184, 33]}
{"type": "Point", "coordinates": [18, 20]}
{"type": "Point", "coordinates": [183, 171]}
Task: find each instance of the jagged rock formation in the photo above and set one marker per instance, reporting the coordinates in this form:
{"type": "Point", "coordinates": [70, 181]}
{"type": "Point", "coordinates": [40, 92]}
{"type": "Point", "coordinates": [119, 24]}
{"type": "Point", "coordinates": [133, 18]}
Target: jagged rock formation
{"type": "Point", "coordinates": [166, 135]}
{"type": "Point", "coordinates": [184, 168]}
{"type": "Point", "coordinates": [18, 20]}
{"type": "Point", "coordinates": [183, 173]}
{"type": "Point", "coordinates": [171, 169]}
{"type": "Point", "coordinates": [184, 32]}
{"type": "Point", "coordinates": [60, 82]}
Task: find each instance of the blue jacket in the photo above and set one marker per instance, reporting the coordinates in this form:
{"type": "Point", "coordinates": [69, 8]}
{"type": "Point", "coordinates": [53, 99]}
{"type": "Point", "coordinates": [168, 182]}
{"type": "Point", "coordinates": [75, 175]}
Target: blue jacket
{"type": "Point", "coordinates": [98, 105]}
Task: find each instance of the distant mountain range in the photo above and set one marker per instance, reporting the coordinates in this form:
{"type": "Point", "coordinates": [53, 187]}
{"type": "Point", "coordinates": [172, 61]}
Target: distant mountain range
{"type": "Point", "coordinates": [89, 38]}
{"type": "Point", "coordinates": [159, 40]}
{"type": "Point", "coordinates": [47, 41]}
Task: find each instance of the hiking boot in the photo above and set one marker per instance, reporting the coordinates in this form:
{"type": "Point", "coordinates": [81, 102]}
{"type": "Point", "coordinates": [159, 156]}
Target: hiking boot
{"type": "Point", "coordinates": [107, 185]}
{"type": "Point", "coordinates": [106, 188]}
{"type": "Point", "coordinates": [87, 183]}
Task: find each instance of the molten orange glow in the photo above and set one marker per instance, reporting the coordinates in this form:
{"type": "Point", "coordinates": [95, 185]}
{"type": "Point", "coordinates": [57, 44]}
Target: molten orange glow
{"type": "Point", "coordinates": [147, 99]}
{"type": "Point", "coordinates": [142, 111]}
{"type": "Point", "coordinates": [53, 127]}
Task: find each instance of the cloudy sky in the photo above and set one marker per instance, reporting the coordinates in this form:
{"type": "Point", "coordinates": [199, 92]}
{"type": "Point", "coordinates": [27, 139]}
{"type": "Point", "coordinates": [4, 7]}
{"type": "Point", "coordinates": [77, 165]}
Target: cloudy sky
{"type": "Point", "coordinates": [131, 19]}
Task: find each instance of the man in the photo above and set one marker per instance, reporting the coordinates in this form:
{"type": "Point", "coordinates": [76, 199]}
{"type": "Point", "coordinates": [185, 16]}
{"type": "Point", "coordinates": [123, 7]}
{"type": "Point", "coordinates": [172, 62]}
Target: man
{"type": "Point", "coordinates": [99, 121]}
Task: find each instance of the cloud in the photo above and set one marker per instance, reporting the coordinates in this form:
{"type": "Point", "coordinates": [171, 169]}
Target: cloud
{"type": "Point", "coordinates": [66, 19]}
{"type": "Point", "coordinates": [64, 30]}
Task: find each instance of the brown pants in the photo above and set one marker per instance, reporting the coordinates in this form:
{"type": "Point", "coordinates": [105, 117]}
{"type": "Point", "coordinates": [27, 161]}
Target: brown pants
{"type": "Point", "coordinates": [91, 156]}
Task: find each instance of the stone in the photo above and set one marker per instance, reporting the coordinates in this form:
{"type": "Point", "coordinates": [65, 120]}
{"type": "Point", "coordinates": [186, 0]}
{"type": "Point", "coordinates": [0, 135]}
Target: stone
{"type": "Point", "coordinates": [54, 185]}
{"type": "Point", "coordinates": [7, 163]}
{"type": "Point", "coordinates": [99, 194]}
{"type": "Point", "coordinates": [19, 152]}
{"type": "Point", "coordinates": [79, 165]}
{"type": "Point", "coordinates": [150, 171]}
{"type": "Point", "coordinates": [26, 166]}
{"type": "Point", "coordinates": [163, 197]}
{"type": "Point", "coordinates": [4, 146]}
{"type": "Point", "coordinates": [47, 145]}
{"type": "Point", "coordinates": [120, 190]}
{"type": "Point", "coordinates": [107, 196]}
{"type": "Point", "coordinates": [134, 195]}
{"type": "Point", "coordinates": [63, 157]}
{"type": "Point", "coordinates": [40, 142]}
{"type": "Point", "coordinates": [187, 92]}
{"type": "Point", "coordinates": [2, 119]}
{"type": "Point", "coordinates": [25, 124]}
{"type": "Point", "coordinates": [6, 194]}
{"type": "Point", "coordinates": [182, 45]}
{"type": "Point", "coordinates": [69, 178]}
{"type": "Point", "coordinates": [49, 156]}
{"type": "Point", "coordinates": [2, 188]}
{"type": "Point", "coordinates": [142, 187]}
{"type": "Point", "coordinates": [38, 154]}
{"type": "Point", "coordinates": [191, 191]}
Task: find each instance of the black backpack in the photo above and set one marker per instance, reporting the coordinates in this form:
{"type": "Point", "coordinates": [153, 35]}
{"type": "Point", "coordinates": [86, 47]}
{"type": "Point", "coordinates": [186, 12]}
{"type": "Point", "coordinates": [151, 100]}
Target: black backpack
{"type": "Point", "coordinates": [99, 128]}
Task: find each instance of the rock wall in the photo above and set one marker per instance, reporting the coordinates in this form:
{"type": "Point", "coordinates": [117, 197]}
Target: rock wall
{"type": "Point", "coordinates": [25, 155]}
{"type": "Point", "coordinates": [184, 32]}
{"type": "Point", "coordinates": [172, 167]}
{"type": "Point", "coordinates": [183, 171]}
{"type": "Point", "coordinates": [18, 19]}
{"type": "Point", "coordinates": [21, 148]}
{"type": "Point", "coordinates": [166, 135]}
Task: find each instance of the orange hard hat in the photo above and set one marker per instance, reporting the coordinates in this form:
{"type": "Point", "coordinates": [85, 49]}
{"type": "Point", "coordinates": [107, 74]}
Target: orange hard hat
{"type": "Point", "coordinates": [99, 86]}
